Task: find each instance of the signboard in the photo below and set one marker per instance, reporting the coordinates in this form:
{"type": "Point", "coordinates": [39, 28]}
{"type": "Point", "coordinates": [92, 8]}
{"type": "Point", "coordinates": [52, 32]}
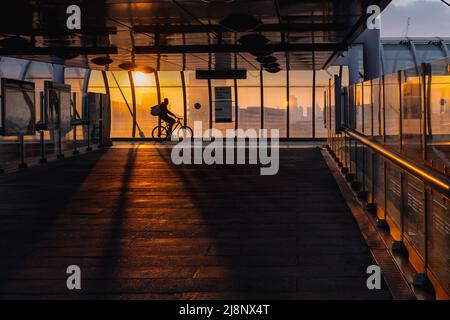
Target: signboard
{"type": "Point", "coordinates": [18, 110]}
{"type": "Point", "coordinates": [223, 105]}
{"type": "Point", "coordinates": [57, 113]}
{"type": "Point", "coordinates": [98, 112]}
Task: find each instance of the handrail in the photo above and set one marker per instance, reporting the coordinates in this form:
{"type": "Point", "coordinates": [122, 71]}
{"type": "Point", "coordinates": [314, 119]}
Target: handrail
{"type": "Point", "coordinates": [431, 177]}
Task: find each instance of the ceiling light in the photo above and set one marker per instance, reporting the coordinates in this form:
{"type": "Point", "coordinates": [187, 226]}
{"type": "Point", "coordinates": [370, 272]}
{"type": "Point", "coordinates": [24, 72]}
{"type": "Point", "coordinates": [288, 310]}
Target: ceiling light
{"type": "Point", "coordinates": [102, 61]}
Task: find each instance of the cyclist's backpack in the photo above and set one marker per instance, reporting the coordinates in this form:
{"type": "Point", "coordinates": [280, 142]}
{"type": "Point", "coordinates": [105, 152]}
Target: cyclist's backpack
{"type": "Point", "coordinates": [155, 110]}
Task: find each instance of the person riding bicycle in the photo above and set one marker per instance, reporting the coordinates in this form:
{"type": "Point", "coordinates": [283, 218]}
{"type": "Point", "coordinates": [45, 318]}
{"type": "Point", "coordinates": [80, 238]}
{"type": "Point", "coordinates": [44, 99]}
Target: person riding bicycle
{"type": "Point", "coordinates": [165, 112]}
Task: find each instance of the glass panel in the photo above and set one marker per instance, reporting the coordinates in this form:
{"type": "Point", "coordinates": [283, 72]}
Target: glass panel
{"type": "Point", "coordinates": [394, 194]}
{"type": "Point", "coordinates": [358, 107]}
{"type": "Point", "coordinates": [275, 102]}
{"type": "Point", "coordinates": [121, 108]}
{"type": "Point", "coordinates": [300, 101]}
{"type": "Point", "coordinates": [75, 77]}
{"type": "Point", "coordinates": [197, 95]}
{"type": "Point", "coordinates": [439, 116]}
{"type": "Point", "coordinates": [249, 101]}
{"type": "Point", "coordinates": [438, 239]}
{"type": "Point", "coordinates": [377, 111]}
{"type": "Point", "coordinates": [39, 72]}
{"type": "Point", "coordinates": [414, 212]}
{"type": "Point", "coordinates": [412, 116]}
{"type": "Point", "coordinates": [146, 97]}
{"type": "Point", "coordinates": [367, 108]}
{"type": "Point", "coordinates": [391, 100]}
{"type": "Point", "coordinates": [170, 83]}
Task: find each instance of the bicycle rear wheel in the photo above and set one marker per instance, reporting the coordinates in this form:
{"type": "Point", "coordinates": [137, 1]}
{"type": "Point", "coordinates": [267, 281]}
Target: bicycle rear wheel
{"type": "Point", "coordinates": [185, 132]}
{"type": "Point", "coordinates": [160, 134]}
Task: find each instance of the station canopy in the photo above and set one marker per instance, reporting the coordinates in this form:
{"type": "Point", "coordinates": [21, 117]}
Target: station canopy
{"type": "Point", "coordinates": [173, 35]}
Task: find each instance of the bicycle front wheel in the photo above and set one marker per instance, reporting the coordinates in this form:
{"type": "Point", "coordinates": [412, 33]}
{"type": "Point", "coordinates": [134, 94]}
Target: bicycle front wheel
{"type": "Point", "coordinates": [160, 133]}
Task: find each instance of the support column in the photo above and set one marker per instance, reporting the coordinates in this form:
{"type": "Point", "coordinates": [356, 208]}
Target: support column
{"type": "Point", "coordinates": [353, 66]}
{"type": "Point", "coordinates": [372, 58]}
{"type": "Point", "coordinates": [58, 76]}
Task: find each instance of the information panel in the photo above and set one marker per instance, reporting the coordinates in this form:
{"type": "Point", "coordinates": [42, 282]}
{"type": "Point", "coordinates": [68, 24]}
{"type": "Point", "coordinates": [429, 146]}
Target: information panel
{"type": "Point", "coordinates": [223, 104]}
{"type": "Point", "coordinates": [18, 110]}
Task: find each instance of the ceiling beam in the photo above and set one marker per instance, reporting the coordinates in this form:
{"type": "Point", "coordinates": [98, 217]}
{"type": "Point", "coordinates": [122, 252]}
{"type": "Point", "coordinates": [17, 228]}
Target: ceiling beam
{"type": "Point", "coordinates": [57, 32]}
{"type": "Point", "coordinates": [279, 27]}
{"type": "Point", "coordinates": [44, 51]}
{"type": "Point", "coordinates": [280, 47]}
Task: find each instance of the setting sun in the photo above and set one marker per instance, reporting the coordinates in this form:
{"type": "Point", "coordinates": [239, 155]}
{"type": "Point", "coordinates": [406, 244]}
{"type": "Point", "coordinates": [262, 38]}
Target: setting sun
{"type": "Point", "coordinates": [141, 79]}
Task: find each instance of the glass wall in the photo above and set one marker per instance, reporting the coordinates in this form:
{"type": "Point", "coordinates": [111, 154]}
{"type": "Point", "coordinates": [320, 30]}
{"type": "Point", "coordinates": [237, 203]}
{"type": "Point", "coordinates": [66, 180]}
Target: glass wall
{"type": "Point", "coordinates": [275, 104]}
{"type": "Point", "coordinates": [249, 96]}
{"type": "Point", "coordinates": [391, 110]}
{"type": "Point", "coordinates": [198, 106]}
{"type": "Point", "coordinates": [413, 111]}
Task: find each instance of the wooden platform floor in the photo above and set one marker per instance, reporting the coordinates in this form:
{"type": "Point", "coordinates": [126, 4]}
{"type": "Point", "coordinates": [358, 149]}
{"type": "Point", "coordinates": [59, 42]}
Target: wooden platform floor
{"type": "Point", "coordinates": [142, 228]}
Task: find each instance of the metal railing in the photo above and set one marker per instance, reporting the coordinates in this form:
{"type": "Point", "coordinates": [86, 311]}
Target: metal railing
{"type": "Point", "coordinates": [391, 139]}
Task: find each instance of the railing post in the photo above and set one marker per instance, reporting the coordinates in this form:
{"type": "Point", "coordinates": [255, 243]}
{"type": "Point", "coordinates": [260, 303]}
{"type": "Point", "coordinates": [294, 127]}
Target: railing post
{"type": "Point", "coordinates": [382, 222]}
{"type": "Point", "coordinates": [22, 163]}
{"type": "Point", "coordinates": [41, 131]}
{"type": "Point", "coordinates": [400, 111]}
{"type": "Point", "coordinates": [74, 106]}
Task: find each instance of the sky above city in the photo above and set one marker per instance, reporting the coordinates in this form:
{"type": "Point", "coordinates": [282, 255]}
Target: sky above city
{"type": "Point", "coordinates": [427, 18]}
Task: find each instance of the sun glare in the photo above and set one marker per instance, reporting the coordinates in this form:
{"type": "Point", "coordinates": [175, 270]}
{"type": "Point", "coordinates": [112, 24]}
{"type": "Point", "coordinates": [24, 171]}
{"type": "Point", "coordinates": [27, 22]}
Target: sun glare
{"type": "Point", "coordinates": [141, 79]}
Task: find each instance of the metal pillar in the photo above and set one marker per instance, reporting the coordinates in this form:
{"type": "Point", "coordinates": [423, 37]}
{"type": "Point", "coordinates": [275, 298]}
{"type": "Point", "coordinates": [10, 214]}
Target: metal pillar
{"type": "Point", "coordinates": [108, 93]}
{"type": "Point", "coordinates": [371, 54]}
{"type": "Point", "coordinates": [158, 92]}
{"type": "Point", "coordinates": [183, 87]}
{"type": "Point", "coordinates": [58, 76]}
{"type": "Point", "coordinates": [133, 103]}
{"type": "Point", "coordinates": [353, 66]}
{"type": "Point", "coordinates": [288, 100]}
{"type": "Point", "coordinates": [210, 124]}
{"type": "Point", "coordinates": [261, 91]}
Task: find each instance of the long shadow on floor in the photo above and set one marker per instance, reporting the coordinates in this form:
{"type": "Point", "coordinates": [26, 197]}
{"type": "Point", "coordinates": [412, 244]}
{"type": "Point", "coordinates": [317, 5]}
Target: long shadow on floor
{"type": "Point", "coordinates": [32, 200]}
{"type": "Point", "coordinates": [290, 235]}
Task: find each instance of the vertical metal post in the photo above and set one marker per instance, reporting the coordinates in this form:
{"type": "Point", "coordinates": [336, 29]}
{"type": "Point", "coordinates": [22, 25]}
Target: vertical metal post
{"type": "Point", "coordinates": [60, 154]}
{"type": "Point", "coordinates": [383, 107]}
{"type": "Point", "coordinates": [210, 100]}
{"type": "Point", "coordinates": [288, 100]}
{"type": "Point", "coordinates": [236, 105]}
{"type": "Point", "coordinates": [108, 93]}
{"type": "Point", "coordinates": [261, 89]}
{"type": "Point", "coordinates": [22, 163]}
{"type": "Point", "coordinates": [84, 91]}
{"type": "Point", "coordinates": [426, 202]}
{"type": "Point", "coordinates": [400, 111]}
{"type": "Point", "coordinates": [74, 106]}
{"type": "Point", "coordinates": [133, 103]}
{"type": "Point", "coordinates": [425, 105]}
{"type": "Point", "coordinates": [158, 91]}
{"type": "Point", "coordinates": [183, 87]}
{"type": "Point", "coordinates": [371, 109]}
{"type": "Point", "coordinates": [313, 113]}
{"type": "Point", "coordinates": [58, 76]}
{"type": "Point", "coordinates": [41, 131]}
{"type": "Point", "coordinates": [236, 95]}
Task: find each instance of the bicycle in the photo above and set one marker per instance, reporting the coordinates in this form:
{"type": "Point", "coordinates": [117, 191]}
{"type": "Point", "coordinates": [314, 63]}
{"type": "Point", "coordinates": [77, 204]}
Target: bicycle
{"type": "Point", "coordinates": [161, 132]}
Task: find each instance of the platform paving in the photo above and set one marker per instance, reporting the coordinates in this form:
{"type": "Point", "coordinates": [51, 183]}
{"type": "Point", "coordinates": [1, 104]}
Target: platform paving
{"type": "Point", "coordinates": [142, 228]}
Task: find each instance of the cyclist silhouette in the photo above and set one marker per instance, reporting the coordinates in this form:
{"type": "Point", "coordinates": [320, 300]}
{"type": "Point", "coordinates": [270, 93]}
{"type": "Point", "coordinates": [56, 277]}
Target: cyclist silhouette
{"type": "Point", "coordinates": [165, 114]}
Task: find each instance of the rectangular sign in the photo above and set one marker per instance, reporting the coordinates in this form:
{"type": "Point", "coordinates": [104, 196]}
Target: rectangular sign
{"type": "Point", "coordinates": [57, 113]}
{"type": "Point", "coordinates": [221, 74]}
{"type": "Point", "coordinates": [223, 105]}
{"type": "Point", "coordinates": [18, 109]}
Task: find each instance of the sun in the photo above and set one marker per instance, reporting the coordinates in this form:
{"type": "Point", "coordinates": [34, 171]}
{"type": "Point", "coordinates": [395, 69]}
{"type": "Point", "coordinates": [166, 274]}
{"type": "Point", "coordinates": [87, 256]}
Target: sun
{"type": "Point", "coordinates": [141, 78]}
